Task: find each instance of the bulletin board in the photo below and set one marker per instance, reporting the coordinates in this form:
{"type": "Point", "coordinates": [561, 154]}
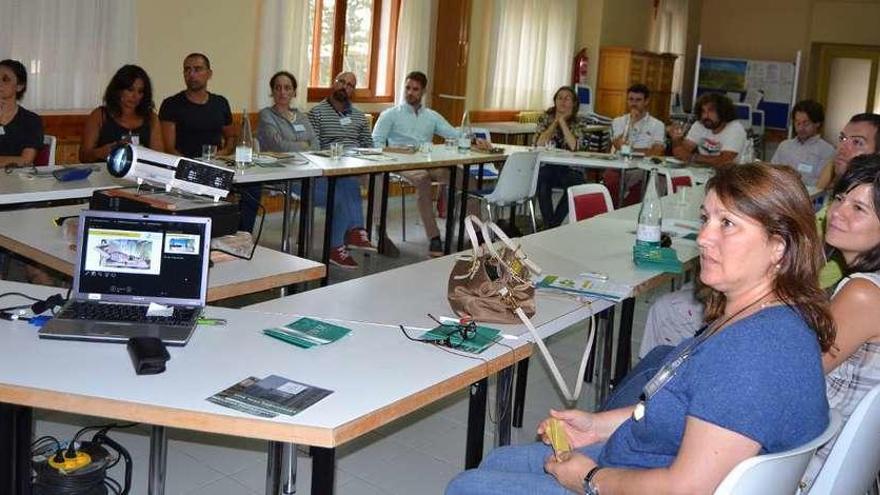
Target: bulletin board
{"type": "Point", "coordinates": [775, 80]}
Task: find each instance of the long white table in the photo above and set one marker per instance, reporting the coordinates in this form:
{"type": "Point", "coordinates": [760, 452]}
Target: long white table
{"type": "Point", "coordinates": [22, 186]}
{"type": "Point", "coordinates": [32, 233]}
{"type": "Point", "coordinates": [375, 373]}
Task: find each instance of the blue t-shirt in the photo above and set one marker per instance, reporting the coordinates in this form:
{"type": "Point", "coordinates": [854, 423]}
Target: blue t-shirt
{"type": "Point", "coordinates": [760, 377]}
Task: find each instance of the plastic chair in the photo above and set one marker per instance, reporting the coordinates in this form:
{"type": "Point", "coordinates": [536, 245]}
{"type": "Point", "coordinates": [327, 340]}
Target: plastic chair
{"type": "Point", "coordinates": [588, 200]}
{"type": "Point", "coordinates": [854, 459]}
{"type": "Point", "coordinates": [516, 185]}
{"type": "Point", "coordinates": [676, 178]}
{"type": "Point", "coordinates": [46, 154]}
{"type": "Point", "coordinates": [775, 474]}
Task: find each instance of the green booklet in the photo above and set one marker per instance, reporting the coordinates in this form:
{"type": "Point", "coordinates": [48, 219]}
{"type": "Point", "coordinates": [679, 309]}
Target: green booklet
{"type": "Point", "coordinates": [306, 333]}
{"type": "Point", "coordinates": [479, 342]}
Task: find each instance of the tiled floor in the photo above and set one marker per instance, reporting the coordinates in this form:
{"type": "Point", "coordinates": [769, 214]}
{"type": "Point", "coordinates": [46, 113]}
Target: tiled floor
{"type": "Point", "coordinates": [417, 454]}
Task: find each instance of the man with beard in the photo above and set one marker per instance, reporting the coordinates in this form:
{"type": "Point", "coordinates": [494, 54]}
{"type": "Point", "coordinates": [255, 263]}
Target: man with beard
{"type": "Point", "coordinates": [194, 116]}
{"type": "Point", "coordinates": [411, 124]}
{"type": "Point", "coordinates": [335, 120]}
{"type": "Point", "coordinates": [636, 131]}
{"type": "Point", "coordinates": [716, 140]}
{"type": "Point", "coordinates": [807, 152]}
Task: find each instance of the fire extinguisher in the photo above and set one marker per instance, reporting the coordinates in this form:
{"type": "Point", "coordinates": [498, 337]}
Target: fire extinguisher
{"type": "Point", "coordinates": [579, 69]}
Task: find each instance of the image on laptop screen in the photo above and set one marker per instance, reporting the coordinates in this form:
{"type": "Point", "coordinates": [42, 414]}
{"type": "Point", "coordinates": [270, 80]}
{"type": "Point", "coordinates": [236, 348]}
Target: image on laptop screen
{"type": "Point", "coordinates": [135, 256]}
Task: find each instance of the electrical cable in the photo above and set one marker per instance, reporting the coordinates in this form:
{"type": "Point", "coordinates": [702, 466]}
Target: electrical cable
{"type": "Point", "coordinates": [260, 208]}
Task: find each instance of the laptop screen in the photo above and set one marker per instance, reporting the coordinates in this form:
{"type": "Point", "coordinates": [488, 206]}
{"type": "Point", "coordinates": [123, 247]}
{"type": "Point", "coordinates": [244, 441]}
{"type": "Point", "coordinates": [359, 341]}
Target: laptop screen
{"type": "Point", "coordinates": [133, 256]}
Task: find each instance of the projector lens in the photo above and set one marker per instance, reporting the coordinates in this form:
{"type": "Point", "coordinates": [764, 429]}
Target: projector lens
{"type": "Point", "coordinates": [119, 160]}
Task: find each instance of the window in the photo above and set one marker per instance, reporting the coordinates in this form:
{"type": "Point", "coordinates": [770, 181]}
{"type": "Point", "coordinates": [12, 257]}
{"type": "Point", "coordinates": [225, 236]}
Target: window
{"type": "Point", "coordinates": [353, 35]}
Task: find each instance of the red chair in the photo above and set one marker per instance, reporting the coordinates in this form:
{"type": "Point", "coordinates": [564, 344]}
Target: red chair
{"type": "Point", "coordinates": [46, 154]}
{"type": "Point", "coordinates": [676, 179]}
{"type": "Point", "coordinates": [588, 200]}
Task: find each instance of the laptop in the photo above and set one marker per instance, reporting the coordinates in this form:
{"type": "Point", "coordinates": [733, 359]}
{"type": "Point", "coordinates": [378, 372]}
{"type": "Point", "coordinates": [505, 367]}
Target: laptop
{"type": "Point", "coordinates": [136, 275]}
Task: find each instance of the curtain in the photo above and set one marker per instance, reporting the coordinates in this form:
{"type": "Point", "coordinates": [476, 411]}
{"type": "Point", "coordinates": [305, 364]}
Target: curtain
{"type": "Point", "coordinates": [284, 41]}
{"type": "Point", "coordinates": [531, 51]}
{"type": "Point", "coordinates": [669, 35]}
{"type": "Point", "coordinates": [71, 48]}
{"type": "Point", "coordinates": [414, 28]}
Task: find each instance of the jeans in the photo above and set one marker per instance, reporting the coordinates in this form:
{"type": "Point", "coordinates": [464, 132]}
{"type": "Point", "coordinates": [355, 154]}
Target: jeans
{"type": "Point", "coordinates": [556, 176]}
{"type": "Point", "coordinates": [516, 469]}
{"type": "Point", "coordinates": [348, 212]}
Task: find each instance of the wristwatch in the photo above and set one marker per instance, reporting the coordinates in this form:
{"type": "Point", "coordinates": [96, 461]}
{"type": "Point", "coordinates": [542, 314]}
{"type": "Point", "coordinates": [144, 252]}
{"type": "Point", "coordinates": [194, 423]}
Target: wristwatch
{"type": "Point", "coordinates": [589, 487]}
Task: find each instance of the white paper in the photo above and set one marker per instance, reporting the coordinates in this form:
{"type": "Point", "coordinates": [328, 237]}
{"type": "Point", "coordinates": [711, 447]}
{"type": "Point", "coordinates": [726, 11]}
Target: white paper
{"type": "Point", "coordinates": [159, 310]}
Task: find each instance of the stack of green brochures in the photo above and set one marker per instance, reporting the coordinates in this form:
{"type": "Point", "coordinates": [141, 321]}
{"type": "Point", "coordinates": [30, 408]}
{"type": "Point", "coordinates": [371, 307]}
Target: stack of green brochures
{"type": "Point", "coordinates": [479, 342]}
{"type": "Point", "coordinates": [587, 286]}
{"type": "Point", "coordinates": [306, 333]}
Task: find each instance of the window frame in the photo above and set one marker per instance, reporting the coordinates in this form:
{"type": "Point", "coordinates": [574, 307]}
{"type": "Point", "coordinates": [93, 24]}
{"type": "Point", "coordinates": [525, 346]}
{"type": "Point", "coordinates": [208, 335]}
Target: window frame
{"type": "Point", "coordinates": [361, 94]}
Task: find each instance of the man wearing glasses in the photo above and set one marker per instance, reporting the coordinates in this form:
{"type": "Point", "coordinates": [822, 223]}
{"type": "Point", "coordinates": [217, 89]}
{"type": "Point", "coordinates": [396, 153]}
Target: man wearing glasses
{"type": "Point", "coordinates": [335, 120]}
{"type": "Point", "coordinates": [860, 136]}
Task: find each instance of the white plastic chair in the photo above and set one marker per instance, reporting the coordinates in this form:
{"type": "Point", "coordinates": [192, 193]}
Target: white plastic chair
{"type": "Point", "coordinates": [676, 178]}
{"type": "Point", "coordinates": [46, 155]}
{"type": "Point", "coordinates": [854, 459]}
{"type": "Point", "coordinates": [588, 200]}
{"type": "Point", "coordinates": [775, 474]}
{"type": "Point", "coordinates": [516, 185]}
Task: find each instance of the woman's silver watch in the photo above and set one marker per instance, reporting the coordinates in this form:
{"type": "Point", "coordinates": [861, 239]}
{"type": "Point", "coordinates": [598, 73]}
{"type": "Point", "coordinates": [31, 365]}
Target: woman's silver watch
{"type": "Point", "coordinates": [589, 487]}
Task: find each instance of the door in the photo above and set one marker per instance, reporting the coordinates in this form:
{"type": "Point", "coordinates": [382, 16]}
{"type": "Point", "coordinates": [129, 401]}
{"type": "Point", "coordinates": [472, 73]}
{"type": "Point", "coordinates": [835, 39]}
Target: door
{"type": "Point", "coordinates": [847, 83]}
{"type": "Point", "coordinates": [451, 59]}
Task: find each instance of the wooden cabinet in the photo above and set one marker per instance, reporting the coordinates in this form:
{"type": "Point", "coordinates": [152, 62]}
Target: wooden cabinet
{"type": "Point", "coordinates": [620, 67]}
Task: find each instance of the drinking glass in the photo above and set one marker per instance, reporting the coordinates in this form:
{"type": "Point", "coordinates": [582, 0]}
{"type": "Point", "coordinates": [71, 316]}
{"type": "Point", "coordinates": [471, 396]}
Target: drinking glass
{"type": "Point", "coordinates": [209, 151]}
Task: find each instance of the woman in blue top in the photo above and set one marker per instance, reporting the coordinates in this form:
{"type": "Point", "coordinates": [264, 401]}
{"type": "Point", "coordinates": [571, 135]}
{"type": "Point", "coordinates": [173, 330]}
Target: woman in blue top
{"type": "Point", "coordinates": [750, 383]}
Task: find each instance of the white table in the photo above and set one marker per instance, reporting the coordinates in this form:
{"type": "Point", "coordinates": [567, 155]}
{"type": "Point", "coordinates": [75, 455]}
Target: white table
{"type": "Point", "coordinates": [21, 186]}
{"type": "Point", "coordinates": [98, 379]}
{"type": "Point", "coordinates": [32, 233]}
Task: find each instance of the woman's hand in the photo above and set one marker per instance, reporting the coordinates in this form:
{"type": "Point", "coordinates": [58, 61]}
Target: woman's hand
{"type": "Point", "coordinates": [580, 427]}
{"type": "Point", "coordinates": [570, 471]}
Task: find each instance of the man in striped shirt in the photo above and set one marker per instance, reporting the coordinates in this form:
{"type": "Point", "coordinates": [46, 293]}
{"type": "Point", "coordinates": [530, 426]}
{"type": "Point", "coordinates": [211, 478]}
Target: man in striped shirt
{"type": "Point", "coordinates": [335, 120]}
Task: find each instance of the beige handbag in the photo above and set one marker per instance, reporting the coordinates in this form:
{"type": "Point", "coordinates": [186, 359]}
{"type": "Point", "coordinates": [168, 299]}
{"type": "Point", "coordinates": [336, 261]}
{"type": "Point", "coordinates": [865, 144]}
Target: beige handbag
{"type": "Point", "coordinates": [489, 284]}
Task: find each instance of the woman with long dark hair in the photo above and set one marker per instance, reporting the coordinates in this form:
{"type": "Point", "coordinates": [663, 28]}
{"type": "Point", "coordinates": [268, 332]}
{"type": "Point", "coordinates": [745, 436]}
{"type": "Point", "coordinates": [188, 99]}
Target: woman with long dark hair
{"type": "Point", "coordinates": [21, 131]}
{"type": "Point", "coordinates": [128, 115]}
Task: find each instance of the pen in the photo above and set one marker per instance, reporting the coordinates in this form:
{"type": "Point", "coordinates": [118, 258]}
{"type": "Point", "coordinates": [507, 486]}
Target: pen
{"type": "Point", "coordinates": [596, 275]}
{"type": "Point", "coordinates": [211, 321]}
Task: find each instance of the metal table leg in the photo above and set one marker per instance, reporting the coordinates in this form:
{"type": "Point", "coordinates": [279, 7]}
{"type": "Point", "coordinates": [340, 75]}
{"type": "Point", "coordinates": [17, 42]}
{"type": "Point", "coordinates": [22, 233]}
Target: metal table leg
{"type": "Point", "coordinates": [383, 214]}
{"type": "Point", "coordinates": [303, 237]}
{"type": "Point", "coordinates": [328, 226]}
{"type": "Point", "coordinates": [274, 456]}
{"type": "Point", "coordinates": [465, 186]}
{"type": "Point", "coordinates": [503, 395]}
{"type": "Point", "coordinates": [288, 466]}
{"type": "Point", "coordinates": [624, 339]}
{"type": "Point", "coordinates": [371, 193]}
{"type": "Point", "coordinates": [519, 400]}
{"type": "Point", "coordinates": [621, 188]}
{"type": "Point", "coordinates": [16, 431]}
{"type": "Point", "coordinates": [603, 355]}
{"type": "Point", "coordinates": [476, 424]}
{"type": "Point", "coordinates": [450, 209]}
{"type": "Point", "coordinates": [285, 218]}
{"type": "Point", "coordinates": [323, 470]}
{"type": "Point", "coordinates": [158, 460]}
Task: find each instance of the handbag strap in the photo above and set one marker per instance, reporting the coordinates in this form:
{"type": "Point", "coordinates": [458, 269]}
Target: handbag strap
{"type": "Point", "coordinates": [469, 223]}
{"type": "Point", "coordinates": [515, 249]}
{"type": "Point", "coordinates": [554, 369]}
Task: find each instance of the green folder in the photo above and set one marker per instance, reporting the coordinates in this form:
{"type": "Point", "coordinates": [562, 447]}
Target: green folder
{"type": "Point", "coordinates": [657, 258]}
{"type": "Point", "coordinates": [307, 333]}
{"type": "Point", "coordinates": [482, 339]}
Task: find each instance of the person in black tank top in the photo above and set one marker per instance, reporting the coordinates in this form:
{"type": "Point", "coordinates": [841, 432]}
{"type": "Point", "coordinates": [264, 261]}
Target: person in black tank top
{"type": "Point", "coordinates": [127, 116]}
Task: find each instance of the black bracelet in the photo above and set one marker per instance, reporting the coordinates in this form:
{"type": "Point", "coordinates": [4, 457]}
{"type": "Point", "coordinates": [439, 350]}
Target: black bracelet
{"type": "Point", "coordinates": [589, 489]}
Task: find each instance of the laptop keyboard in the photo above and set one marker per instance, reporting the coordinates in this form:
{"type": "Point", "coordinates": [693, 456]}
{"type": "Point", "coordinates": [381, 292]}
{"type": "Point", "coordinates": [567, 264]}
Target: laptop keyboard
{"type": "Point", "coordinates": [84, 310]}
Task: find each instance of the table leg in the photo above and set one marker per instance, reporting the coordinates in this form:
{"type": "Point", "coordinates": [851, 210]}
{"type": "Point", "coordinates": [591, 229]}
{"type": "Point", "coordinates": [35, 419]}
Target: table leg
{"type": "Point", "coordinates": [519, 397]}
{"type": "Point", "coordinates": [603, 363]}
{"type": "Point", "coordinates": [16, 430]}
{"type": "Point", "coordinates": [285, 218]}
{"type": "Point", "coordinates": [621, 188]}
{"type": "Point", "coordinates": [328, 226]}
{"type": "Point", "coordinates": [465, 187]}
{"type": "Point", "coordinates": [503, 395]}
{"type": "Point", "coordinates": [476, 424]}
{"type": "Point", "coordinates": [274, 456]}
{"type": "Point", "coordinates": [624, 339]}
{"type": "Point", "coordinates": [158, 460]}
{"type": "Point", "coordinates": [303, 237]}
{"type": "Point", "coordinates": [289, 467]}
{"type": "Point", "coordinates": [323, 470]}
{"type": "Point", "coordinates": [450, 209]}
{"type": "Point", "coordinates": [383, 214]}
{"type": "Point", "coordinates": [480, 177]}
{"type": "Point", "coordinates": [371, 193]}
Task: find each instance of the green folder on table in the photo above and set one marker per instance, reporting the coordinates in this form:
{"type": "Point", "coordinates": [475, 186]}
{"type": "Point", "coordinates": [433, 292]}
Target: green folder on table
{"type": "Point", "coordinates": [478, 343]}
{"type": "Point", "coordinates": [307, 333]}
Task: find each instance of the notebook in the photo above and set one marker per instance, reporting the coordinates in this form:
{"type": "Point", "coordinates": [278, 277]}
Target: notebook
{"type": "Point", "coordinates": [135, 275]}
